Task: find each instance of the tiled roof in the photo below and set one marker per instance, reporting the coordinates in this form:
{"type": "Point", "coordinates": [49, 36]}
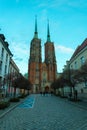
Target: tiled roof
{"type": "Point", "coordinates": [79, 48]}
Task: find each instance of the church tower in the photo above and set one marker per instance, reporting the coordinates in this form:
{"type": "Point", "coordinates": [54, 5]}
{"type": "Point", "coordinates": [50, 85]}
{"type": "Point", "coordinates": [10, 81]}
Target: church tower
{"type": "Point", "coordinates": [35, 60]}
{"type": "Point", "coordinates": [41, 74]}
{"type": "Point", "coordinates": [50, 58]}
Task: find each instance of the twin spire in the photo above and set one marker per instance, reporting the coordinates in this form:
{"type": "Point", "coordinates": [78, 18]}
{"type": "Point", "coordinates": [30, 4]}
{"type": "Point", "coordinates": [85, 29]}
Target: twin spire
{"type": "Point", "coordinates": [36, 32]}
{"type": "Point", "coordinates": [48, 33]}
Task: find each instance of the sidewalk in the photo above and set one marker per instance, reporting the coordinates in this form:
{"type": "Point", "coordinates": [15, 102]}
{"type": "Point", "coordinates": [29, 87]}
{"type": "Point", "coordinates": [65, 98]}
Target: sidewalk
{"type": "Point", "coordinates": [82, 104]}
{"type": "Point", "coordinates": [11, 107]}
{"type": "Point", "coordinates": [48, 113]}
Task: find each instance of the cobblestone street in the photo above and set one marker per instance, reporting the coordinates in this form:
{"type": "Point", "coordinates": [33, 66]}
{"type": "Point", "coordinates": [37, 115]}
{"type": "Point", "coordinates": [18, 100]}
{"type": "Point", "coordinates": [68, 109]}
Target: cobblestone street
{"type": "Point", "coordinates": [47, 113]}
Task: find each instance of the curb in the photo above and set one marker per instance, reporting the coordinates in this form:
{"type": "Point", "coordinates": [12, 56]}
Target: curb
{"type": "Point", "coordinates": [76, 104]}
{"type": "Point", "coordinates": [10, 109]}
{"type": "Point", "coordinates": [79, 106]}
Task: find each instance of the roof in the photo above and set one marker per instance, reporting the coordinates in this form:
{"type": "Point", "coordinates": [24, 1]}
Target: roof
{"type": "Point", "coordinates": [79, 48]}
{"type": "Point", "coordinates": [2, 37]}
{"type": "Point", "coordinates": [5, 44]}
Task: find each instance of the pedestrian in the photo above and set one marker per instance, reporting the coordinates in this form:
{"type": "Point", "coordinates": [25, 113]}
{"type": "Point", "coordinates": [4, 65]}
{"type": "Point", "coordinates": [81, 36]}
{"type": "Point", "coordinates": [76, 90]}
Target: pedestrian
{"type": "Point", "coordinates": [70, 95]}
{"type": "Point", "coordinates": [41, 93]}
{"type": "Point", "coordinates": [51, 93]}
{"type": "Point", "coordinates": [75, 95]}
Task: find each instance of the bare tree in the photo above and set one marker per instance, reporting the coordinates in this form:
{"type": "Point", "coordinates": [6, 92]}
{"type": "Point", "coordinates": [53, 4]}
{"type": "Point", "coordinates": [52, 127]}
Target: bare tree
{"type": "Point", "coordinates": [22, 83]}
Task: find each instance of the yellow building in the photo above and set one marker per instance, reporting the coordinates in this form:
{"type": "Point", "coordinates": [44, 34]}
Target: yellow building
{"type": "Point", "coordinates": [77, 60]}
{"type": "Point", "coordinates": [79, 56]}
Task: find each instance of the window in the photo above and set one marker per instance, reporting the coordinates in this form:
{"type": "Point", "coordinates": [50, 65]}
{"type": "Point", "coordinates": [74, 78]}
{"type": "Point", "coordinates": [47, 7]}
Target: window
{"type": "Point", "coordinates": [0, 80]}
{"type": "Point", "coordinates": [37, 75]}
{"type": "Point", "coordinates": [2, 53]}
{"type": "Point", "coordinates": [5, 69]}
{"type": "Point", "coordinates": [51, 68]}
{"type": "Point", "coordinates": [37, 67]}
{"type": "Point", "coordinates": [82, 60]}
{"type": "Point", "coordinates": [75, 65]}
{"type": "Point", "coordinates": [71, 67]}
{"type": "Point", "coordinates": [6, 58]}
{"type": "Point", "coordinates": [0, 67]}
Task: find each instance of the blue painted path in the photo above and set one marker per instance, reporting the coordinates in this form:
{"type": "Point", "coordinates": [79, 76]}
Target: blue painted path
{"type": "Point", "coordinates": [28, 103]}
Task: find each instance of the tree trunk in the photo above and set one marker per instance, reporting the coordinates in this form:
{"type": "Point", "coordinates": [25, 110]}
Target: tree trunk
{"type": "Point", "coordinates": [14, 92]}
{"type": "Point", "coordinates": [63, 91]}
{"type": "Point", "coordinates": [74, 91]}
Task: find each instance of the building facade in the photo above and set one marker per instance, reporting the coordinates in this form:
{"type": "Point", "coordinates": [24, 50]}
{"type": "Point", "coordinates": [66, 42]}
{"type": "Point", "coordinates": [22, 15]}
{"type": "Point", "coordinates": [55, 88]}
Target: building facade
{"type": "Point", "coordinates": [7, 68]}
{"type": "Point", "coordinates": [5, 55]}
{"type": "Point", "coordinates": [42, 74]}
{"type": "Point", "coordinates": [14, 73]}
{"type": "Point", "coordinates": [78, 59]}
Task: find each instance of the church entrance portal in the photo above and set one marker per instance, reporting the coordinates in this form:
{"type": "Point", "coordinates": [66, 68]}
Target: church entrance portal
{"type": "Point", "coordinates": [46, 88]}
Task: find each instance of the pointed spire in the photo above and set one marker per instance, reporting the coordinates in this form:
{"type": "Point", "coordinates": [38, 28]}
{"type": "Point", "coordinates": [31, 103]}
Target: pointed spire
{"type": "Point", "coordinates": [48, 33]}
{"type": "Point", "coordinates": [35, 33]}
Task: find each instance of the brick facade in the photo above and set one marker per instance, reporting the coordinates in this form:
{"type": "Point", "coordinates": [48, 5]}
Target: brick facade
{"type": "Point", "coordinates": [41, 74]}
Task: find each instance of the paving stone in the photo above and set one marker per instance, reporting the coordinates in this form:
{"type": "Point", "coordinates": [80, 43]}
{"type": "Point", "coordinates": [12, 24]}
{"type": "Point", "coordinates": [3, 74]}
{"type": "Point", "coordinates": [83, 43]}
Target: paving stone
{"type": "Point", "coordinates": [47, 113]}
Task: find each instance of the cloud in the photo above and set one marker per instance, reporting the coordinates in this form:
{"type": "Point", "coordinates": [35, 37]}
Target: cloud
{"type": "Point", "coordinates": [43, 16]}
{"type": "Point", "coordinates": [80, 3]}
{"type": "Point", "coordinates": [50, 4]}
{"type": "Point", "coordinates": [60, 3]}
{"type": "Point", "coordinates": [18, 59]}
{"type": "Point", "coordinates": [20, 48]}
{"type": "Point", "coordinates": [20, 51]}
{"type": "Point", "coordinates": [64, 49]}
{"type": "Point", "coordinates": [63, 54]}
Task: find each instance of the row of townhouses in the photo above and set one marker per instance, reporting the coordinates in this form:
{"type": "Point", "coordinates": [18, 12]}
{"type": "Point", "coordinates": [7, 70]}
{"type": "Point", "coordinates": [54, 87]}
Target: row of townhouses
{"type": "Point", "coordinates": [8, 69]}
{"type": "Point", "coordinates": [78, 59]}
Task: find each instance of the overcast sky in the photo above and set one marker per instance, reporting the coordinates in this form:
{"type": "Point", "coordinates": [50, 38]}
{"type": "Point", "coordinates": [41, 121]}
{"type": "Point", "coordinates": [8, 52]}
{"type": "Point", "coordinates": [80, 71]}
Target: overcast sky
{"type": "Point", "coordinates": [67, 21]}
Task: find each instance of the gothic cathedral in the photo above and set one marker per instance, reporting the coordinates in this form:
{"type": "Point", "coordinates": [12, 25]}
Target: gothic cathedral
{"type": "Point", "coordinates": [41, 74]}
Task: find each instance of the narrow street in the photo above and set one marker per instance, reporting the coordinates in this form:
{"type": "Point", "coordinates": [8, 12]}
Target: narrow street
{"type": "Point", "coordinates": [39, 112]}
